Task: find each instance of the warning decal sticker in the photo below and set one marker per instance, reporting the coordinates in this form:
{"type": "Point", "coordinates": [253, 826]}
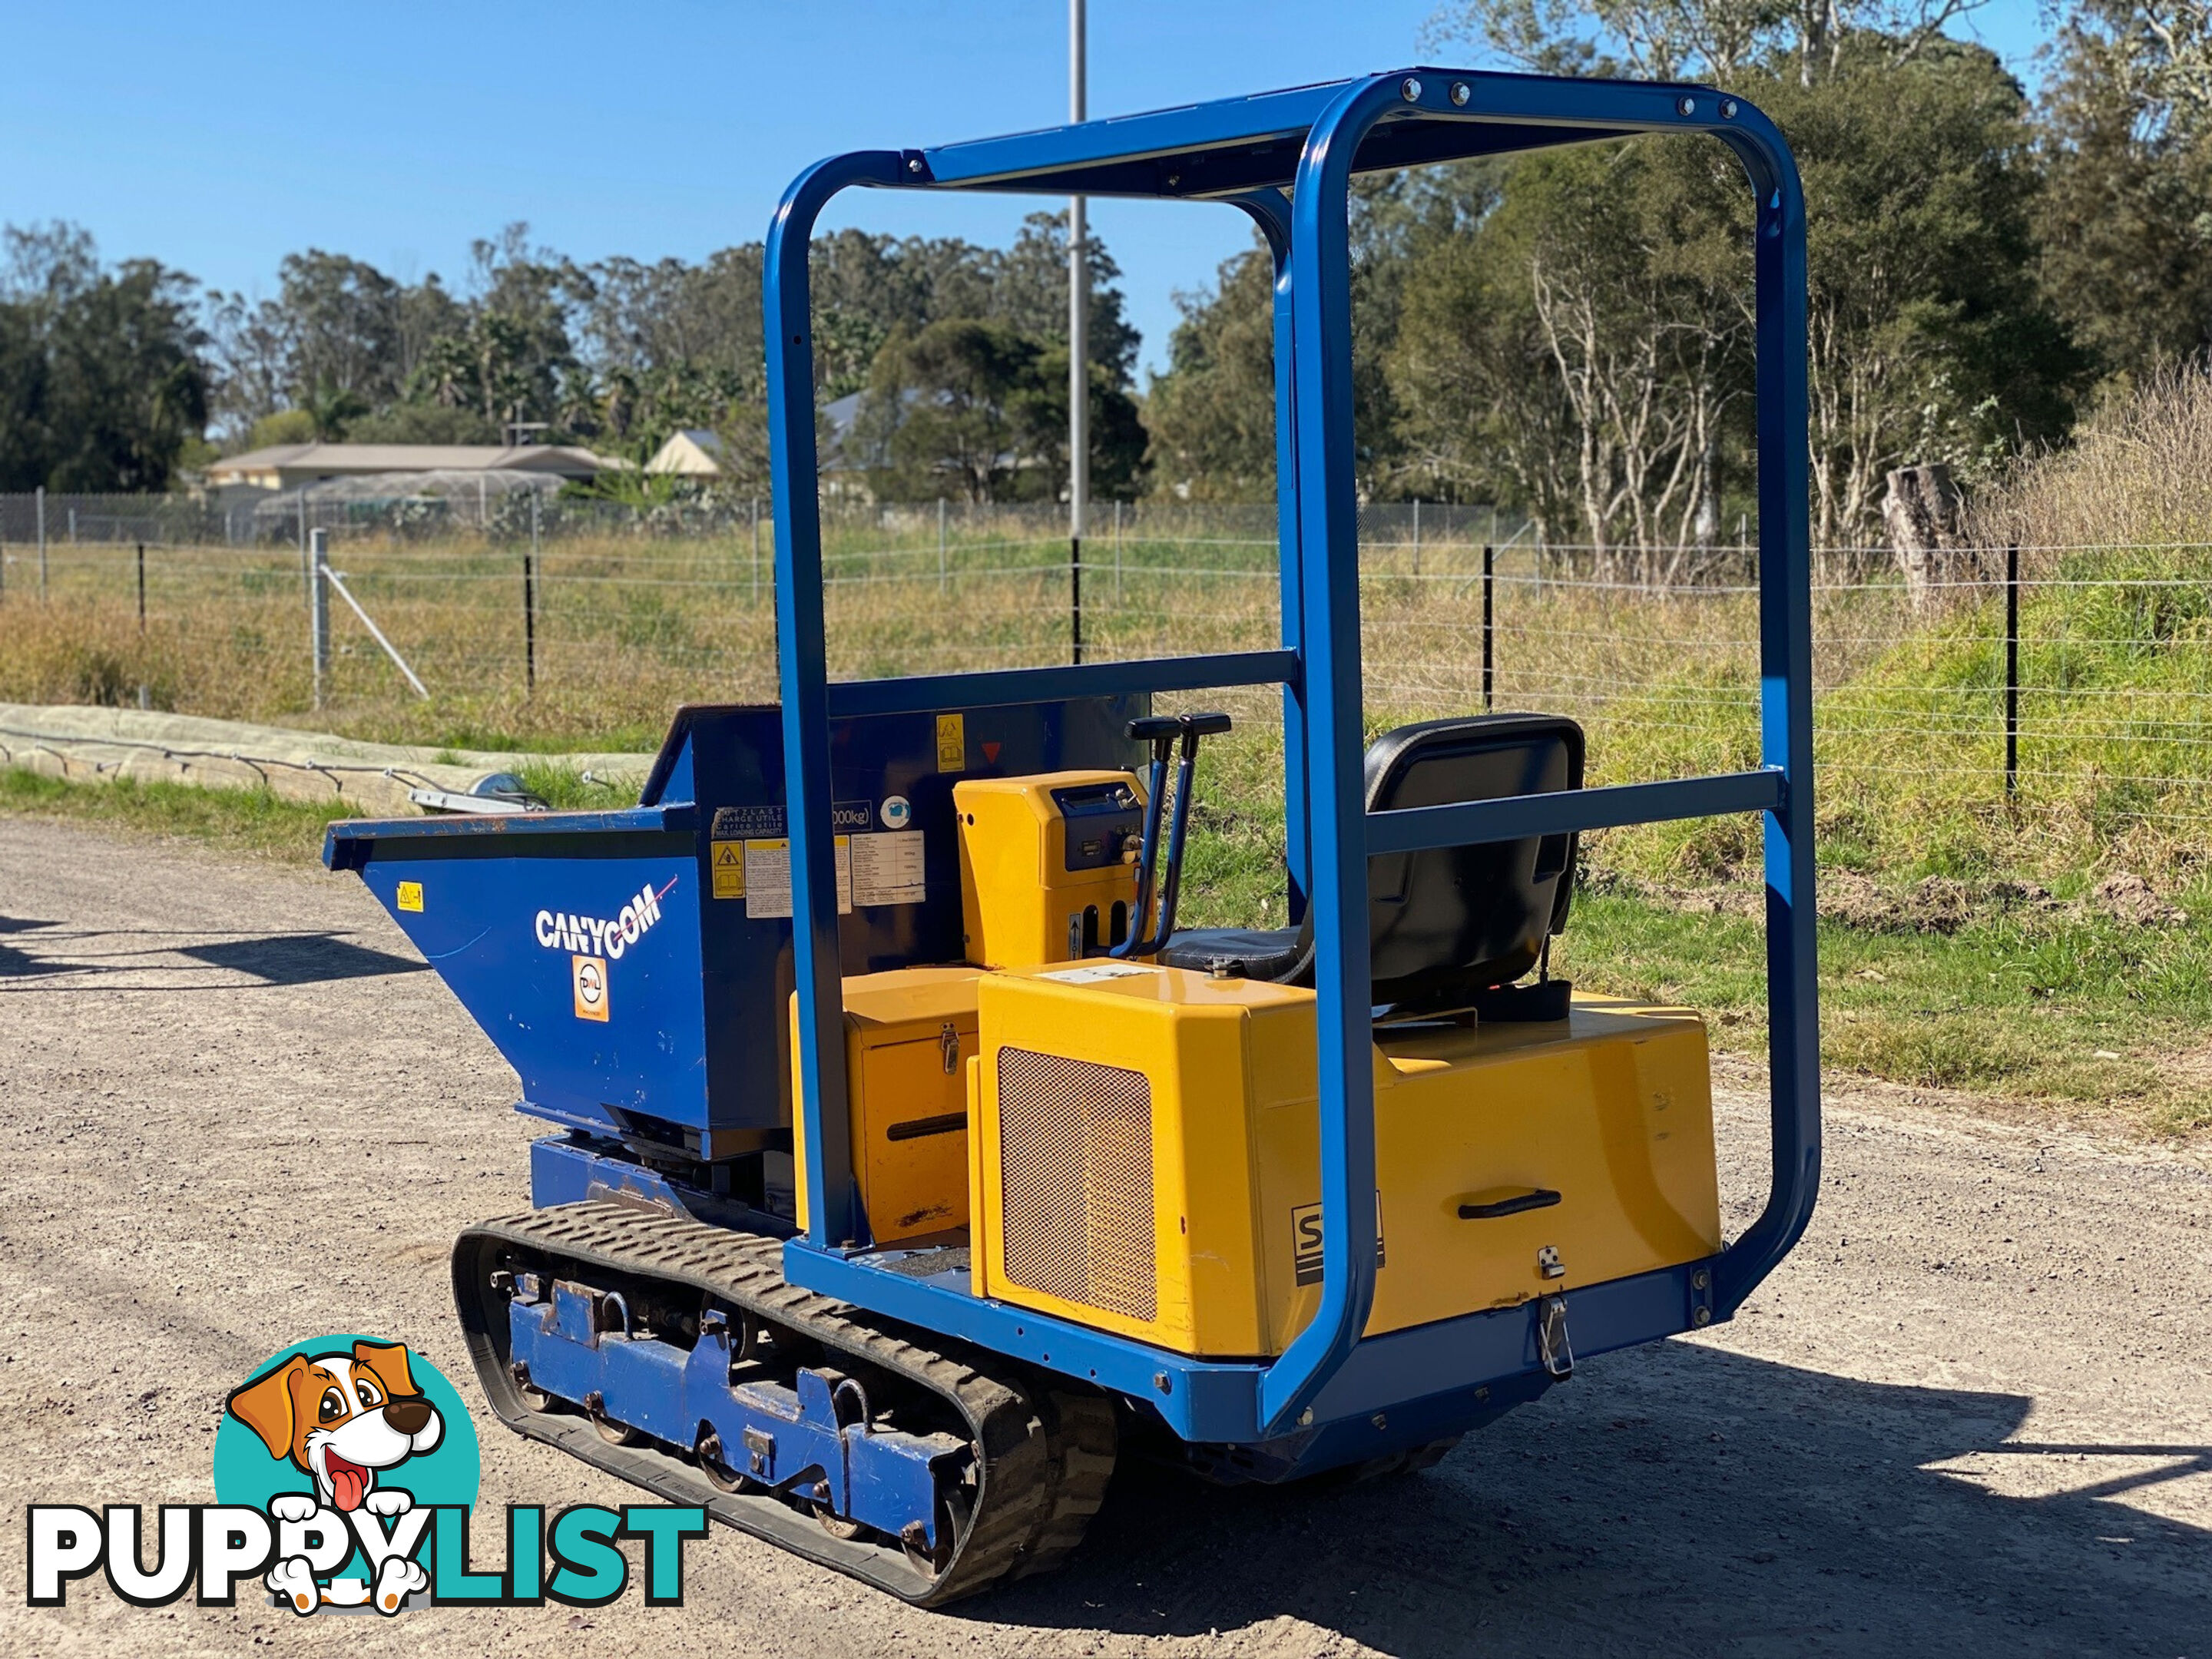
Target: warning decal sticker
{"type": "Point", "coordinates": [951, 742]}
{"type": "Point", "coordinates": [745, 823]}
{"type": "Point", "coordinates": [410, 895]}
{"type": "Point", "coordinates": [728, 863]}
{"type": "Point", "coordinates": [1093, 973]}
{"type": "Point", "coordinates": [767, 875]}
{"type": "Point", "coordinates": [887, 868]}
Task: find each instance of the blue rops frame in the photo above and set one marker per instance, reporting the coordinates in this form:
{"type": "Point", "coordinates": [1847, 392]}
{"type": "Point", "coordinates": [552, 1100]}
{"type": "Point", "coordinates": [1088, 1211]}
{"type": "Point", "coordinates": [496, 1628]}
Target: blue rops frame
{"type": "Point", "coordinates": [1248, 153]}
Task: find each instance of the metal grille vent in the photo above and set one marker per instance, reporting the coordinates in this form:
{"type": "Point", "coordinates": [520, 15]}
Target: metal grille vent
{"type": "Point", "coordinates": [1075, 1155]}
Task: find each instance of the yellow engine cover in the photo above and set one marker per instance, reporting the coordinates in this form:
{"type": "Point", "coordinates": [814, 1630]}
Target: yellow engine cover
{"type": "Point", "coordinates": [909, 1035]}
{"type": "Point", "coordinates": [1146, 1156]}
{"type": "Point", "coordinates": [1037, 885]}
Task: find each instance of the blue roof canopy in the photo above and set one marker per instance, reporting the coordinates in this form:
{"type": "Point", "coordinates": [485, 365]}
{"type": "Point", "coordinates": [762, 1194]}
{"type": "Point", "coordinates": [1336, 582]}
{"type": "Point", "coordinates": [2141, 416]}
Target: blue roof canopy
{"type": "Point", "coordinates": [1238, 144]}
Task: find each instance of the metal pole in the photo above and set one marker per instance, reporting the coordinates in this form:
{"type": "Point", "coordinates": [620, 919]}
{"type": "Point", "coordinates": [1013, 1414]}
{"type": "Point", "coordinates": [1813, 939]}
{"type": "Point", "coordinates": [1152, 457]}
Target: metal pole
{"type": "Point", "coordinates": [1117, 552]}
{"type": "Point", "coordinates": [2012, 670]}
{"type": "Point", "coordinates": [1417, 535]}
{"type": "Point", "coordinates": [318, 608]}
{"type": "Point", "coordinates": [529, 624]}
{"type": "Point", "coordinates": [529, 564]}
{"type": "Point", "coordinates": [940, 543]}
{"type": "Point", "coordinates": [1078, 348]}
{"type": "Point", "coordinates": [756, 549]}
{"type": "Point", "coordinates": [1489, 619]}
{"type": "Point", "coordinates": [42, 543]}
{"type": "Point", "coordinates": [334, 579]}
{"type": "Point", "coordinates": [307, 561]}
{"type": "Point", "coordinates": [142, 588]}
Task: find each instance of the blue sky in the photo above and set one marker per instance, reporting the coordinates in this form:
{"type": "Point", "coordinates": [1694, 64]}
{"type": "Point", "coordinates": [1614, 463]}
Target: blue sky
{"type": "Point", "coordinates": [218, 138]}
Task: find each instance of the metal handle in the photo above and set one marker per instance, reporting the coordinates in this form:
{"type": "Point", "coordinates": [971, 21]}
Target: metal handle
{"type": "Point", "coordinates": [1165, 733]}
{"type": "Point", "coordinates": [1536, 1198]}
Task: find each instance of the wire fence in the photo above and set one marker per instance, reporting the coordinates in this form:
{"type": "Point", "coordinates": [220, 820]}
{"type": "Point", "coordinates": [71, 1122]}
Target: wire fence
{"type": "Point", "coordinates": [2076, 678]}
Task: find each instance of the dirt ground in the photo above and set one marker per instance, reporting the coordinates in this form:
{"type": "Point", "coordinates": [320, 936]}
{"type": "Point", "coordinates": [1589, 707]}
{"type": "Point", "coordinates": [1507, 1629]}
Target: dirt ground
{"type": "Point", "coordinates": [1970, 1414]}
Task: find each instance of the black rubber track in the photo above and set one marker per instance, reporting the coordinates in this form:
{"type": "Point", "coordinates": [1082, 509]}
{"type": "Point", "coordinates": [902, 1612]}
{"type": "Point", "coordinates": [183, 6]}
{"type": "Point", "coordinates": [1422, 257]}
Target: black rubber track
{"type": "Point", "coordinates": [1043, 1454]}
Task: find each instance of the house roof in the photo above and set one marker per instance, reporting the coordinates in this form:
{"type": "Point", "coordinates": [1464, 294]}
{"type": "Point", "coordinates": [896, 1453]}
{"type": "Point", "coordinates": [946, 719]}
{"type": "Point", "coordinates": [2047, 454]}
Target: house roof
{"type": "Point", "coordinates": [564, 458]}
{"type": "Point", "coordinates": [692, 450]}
{"type": "Point", "coordinates": [468, 485]}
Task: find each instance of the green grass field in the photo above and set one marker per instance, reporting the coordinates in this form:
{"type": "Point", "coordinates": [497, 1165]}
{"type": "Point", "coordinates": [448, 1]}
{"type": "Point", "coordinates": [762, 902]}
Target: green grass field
{"type": "Point", "coordinates": [2056, 1001]}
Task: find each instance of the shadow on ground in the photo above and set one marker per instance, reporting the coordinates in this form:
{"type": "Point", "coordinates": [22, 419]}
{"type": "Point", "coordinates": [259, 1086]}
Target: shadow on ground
{"type": "Point", "coordinates": [272, 958]}
{"type": "Point", "coordinates": [301, 959]}
{"type": "Point", "coordinates": [1679, 1500]}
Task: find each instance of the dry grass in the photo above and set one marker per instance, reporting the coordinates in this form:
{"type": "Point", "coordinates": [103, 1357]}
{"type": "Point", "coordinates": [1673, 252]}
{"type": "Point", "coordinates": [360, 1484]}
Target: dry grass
{"type": "Point", "coordinates": [2138, 475]}
{"type": "Point", "coordinates": [2058, 1001]}
{"type": "Point", "coordinates": [2116, 762]}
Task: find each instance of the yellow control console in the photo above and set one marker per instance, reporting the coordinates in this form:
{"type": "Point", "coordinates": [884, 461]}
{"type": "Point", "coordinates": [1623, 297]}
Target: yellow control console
{"type": "Point", "coordinates": [1047, 864]}
{"type": "Point", "coordinates": [1145, 1156]}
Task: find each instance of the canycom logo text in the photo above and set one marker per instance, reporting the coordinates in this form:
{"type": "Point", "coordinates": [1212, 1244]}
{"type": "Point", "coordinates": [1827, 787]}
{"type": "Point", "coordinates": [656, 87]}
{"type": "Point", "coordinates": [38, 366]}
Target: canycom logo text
{"type": "Point", "coordinates": [601, 936]}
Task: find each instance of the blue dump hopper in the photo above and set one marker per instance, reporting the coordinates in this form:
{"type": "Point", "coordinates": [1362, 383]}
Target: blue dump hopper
{"type": "Point", "coordinates": [635, 966]}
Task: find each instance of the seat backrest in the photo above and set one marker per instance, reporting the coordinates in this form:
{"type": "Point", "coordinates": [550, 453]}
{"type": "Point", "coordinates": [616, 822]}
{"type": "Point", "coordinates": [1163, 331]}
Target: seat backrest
{"type": "Point", "coordinates": [1451, 921]}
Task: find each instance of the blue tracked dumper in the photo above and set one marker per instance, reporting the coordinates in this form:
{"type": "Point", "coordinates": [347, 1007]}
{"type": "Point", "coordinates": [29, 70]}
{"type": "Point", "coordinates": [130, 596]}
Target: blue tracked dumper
{"type": "Point", "coordinates": [910, 1163]}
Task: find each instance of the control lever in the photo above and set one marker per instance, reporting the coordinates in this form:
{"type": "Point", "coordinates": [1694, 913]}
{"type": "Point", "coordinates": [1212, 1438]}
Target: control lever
{"type": "Point", "coordinates": [1166, 733]}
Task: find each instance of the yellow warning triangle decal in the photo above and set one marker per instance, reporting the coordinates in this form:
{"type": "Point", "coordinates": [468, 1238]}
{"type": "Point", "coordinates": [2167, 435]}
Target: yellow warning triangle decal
{"type": "Point", "coordinates": [726, 855]}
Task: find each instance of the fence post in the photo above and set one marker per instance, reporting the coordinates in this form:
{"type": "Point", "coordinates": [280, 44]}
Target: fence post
{"type": "Point", "coordinates": [2012, 670]}
{"type": "Point", "coordinates": [306, 560]}
{"type": "Point", "coordinates": [531, 564]}
{"type": "Point", "coordinates": [42, 543]}
{"type": "Point", "coordinates": [319, 607]}
{"type": "Point", "coordinates": [1417, 535]}
{"type": "Point", "coordinates": [142, 588]}
{"type": "Point", "coordinates": [1117, 552]}
{"type": "Point", "coordinates": [1075, 600]}
{"type": "Point", "coordinates": [1489, 618]}
{"type": "Point", "coordinates": [756, 549]}
{"type": "Point", "coordinates": [940, 543]}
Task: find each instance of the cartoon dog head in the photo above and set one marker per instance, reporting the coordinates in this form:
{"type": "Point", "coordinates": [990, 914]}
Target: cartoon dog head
{"type": "Point", "coordinates": [341, 1417]}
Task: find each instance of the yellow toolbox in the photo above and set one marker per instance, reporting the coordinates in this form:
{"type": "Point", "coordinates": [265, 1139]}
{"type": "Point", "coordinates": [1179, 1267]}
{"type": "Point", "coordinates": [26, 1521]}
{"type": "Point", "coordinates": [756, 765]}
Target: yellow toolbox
{"type": "Point", "coordinates": [1047, 864]}
{"type": "Point", "coordinates": [1146, 1156]}
{"type": "Point", "coordinates": [908, 1036]}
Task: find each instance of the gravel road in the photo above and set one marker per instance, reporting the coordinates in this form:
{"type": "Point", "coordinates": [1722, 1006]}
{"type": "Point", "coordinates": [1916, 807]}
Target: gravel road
{"type": "Point", "coordinates": [1971, 1415]}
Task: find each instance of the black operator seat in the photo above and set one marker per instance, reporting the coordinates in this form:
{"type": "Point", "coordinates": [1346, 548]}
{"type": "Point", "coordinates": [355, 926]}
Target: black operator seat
{"type": "Point", "coordinates": [1452, 926]}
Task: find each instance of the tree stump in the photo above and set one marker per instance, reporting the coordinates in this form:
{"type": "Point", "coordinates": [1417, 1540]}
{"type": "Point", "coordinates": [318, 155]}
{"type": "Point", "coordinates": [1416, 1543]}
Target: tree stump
{"type": "Point", "coordinates": [1922, 513]}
